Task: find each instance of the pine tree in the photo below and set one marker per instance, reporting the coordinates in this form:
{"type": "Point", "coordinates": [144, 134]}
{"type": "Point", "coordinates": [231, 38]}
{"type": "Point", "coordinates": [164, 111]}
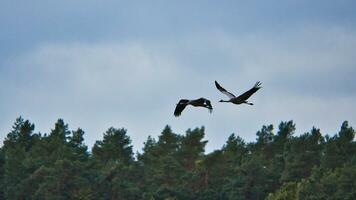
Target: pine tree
{"type": "Point", "coordinates": [340, 148]}
{"type": "Point", "coordinates": [264, 142]}
{"type": "Point", "coordinates": [117, 172]}
{"type": "Point", "coordinates": [116, 146]}
{"type": "Point", "coordinates": [192, 148]}
{"type": "Point", "coordinates": [56, 166]}
{"type": "Point", "coordinates": [191, 152]}
{"type": "Point", "coordinates": [16, 145]}
{"type": "Point", "coordinates": [301, 154]}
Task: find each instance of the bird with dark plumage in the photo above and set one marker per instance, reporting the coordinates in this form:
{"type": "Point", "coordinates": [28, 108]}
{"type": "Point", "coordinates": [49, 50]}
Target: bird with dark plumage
{"type": "Point", "coordinates": [201, 102]}
{"type": "Point", "coordinates": [240, 99]}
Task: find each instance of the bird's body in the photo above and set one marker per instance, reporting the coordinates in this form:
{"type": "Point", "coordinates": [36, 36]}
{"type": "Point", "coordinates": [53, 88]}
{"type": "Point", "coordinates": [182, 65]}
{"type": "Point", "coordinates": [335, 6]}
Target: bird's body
{"type": "Point", "coordinates": [201, 102]}
{"type": "Point", "coordinates": [238, 99]}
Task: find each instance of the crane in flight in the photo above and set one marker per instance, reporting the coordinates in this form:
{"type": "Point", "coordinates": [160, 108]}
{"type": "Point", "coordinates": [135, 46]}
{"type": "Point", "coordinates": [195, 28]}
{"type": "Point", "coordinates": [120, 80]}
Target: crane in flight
{"type": "Point", "coordinates": [201, 102]}
{"type": "Point", "coordinates": [238, 99]}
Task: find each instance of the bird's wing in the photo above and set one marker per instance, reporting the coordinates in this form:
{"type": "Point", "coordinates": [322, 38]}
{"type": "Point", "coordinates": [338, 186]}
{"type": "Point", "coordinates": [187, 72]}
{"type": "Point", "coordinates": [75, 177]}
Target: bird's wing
{"type": "Point", "coordinates": [180, 107]}
{"type": "Point", "coordinates": [250, 92]}
{"type": "Point", "coordinates": [221, 89]}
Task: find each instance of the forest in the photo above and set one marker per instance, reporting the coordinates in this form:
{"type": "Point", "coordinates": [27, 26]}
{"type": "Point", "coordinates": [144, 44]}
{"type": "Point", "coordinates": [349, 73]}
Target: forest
{"type": "Point", "coordinates": [279, 164]}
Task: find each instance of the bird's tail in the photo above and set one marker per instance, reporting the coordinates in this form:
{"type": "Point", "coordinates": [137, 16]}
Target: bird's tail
{"type": "Point", "coordinates": [257, 85]}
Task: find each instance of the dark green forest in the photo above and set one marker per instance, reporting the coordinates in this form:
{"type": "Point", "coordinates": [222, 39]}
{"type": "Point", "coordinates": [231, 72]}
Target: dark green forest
{"type": "Point", "coordinates": [280, 164]}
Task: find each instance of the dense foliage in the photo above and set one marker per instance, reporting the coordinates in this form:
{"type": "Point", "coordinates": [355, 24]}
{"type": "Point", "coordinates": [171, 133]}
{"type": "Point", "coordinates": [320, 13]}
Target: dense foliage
{"type": "Point", "coordinates": [278, 165]}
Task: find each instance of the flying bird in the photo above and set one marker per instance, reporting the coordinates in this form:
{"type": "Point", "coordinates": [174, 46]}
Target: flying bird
{"type": "Point", "coordinates": [240, 99]}
{"type": "Point", "coordinates": [201, 102]}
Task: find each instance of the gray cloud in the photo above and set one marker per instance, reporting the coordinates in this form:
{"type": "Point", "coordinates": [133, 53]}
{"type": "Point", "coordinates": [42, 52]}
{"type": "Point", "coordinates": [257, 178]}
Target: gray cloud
{"type": "Point", "coordinates": [307, 77]}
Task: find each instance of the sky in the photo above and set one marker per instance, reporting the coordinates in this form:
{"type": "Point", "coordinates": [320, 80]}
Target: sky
{"type": "Point", "coordinates": [98, 64]}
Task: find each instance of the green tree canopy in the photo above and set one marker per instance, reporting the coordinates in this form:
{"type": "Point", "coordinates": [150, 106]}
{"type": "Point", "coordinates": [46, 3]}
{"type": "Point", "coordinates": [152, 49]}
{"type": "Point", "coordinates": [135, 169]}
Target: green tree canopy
{"type": "Point", "coordinates": [285, 165]}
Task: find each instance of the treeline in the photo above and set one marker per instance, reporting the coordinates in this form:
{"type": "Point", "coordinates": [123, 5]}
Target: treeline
{"type": "Point", "coordinates": [278, 165]}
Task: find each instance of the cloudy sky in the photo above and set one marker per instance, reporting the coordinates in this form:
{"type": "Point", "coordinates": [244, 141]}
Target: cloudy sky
{"type": "Point", "coordinates": [98, 64]}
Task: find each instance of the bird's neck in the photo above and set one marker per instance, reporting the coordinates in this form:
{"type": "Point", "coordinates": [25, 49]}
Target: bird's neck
{"type": "Point", "coordinates": [224, 101]}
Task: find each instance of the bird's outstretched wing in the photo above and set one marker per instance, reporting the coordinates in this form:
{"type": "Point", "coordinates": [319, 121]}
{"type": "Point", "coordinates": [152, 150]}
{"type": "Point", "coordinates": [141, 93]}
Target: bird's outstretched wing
{"type": "Point", "coordinates": [221, 89]}
{"type": "Point", "coordinates": [180, 107]}
{"type": "Point", "coordinates": [250, 92]}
